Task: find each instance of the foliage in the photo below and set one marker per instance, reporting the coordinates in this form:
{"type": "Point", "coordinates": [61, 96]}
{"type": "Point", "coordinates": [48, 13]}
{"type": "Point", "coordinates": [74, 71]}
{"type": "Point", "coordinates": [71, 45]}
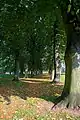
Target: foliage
{"type": "Point", "coordinates": [28, 28]}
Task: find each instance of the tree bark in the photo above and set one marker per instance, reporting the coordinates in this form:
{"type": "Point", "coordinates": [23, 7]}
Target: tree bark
{"type": "Point", "coordinates": [71, 92]}
{"type": "Point", "coordinates": [56, 67]}
{"type": "Point", "coordinates": [21, 65]}
{"type": "Point", "coordinates": [53, 78]}
{"type": "Point", "coordinates": [16, 67]}
{"type": "Point", "coordinates": [70, 97]}
{"type": "Point", "coordinates": [56, 56]}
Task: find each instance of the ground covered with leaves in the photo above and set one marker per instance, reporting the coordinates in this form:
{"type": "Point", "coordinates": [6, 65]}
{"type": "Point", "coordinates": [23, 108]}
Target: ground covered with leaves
{"type": "Point", "coordinates": [31, 99]}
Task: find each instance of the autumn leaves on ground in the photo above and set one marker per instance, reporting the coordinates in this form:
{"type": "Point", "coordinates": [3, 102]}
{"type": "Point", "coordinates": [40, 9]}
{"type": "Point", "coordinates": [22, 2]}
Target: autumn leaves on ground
{"type": "Point", "coordinates": [31, 99]}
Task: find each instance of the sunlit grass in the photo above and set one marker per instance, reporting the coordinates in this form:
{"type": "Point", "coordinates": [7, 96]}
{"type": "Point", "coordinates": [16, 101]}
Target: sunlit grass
{"type": "Point", "coordinates": [31, 114]}
{"type": "Point", "coordinates": [44, 78]}
{"type": "Point", "coordinates": [41, 78]}
{"type": "Point", "coordinates": [62, 78]}
{"type": "Point", "coordinates": [22, 114]}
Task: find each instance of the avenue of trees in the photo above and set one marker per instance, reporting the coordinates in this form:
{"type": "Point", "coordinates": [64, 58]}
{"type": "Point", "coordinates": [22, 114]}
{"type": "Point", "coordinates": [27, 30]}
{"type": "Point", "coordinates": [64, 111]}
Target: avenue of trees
{"type": "Point", "coordinates": [35, 35]}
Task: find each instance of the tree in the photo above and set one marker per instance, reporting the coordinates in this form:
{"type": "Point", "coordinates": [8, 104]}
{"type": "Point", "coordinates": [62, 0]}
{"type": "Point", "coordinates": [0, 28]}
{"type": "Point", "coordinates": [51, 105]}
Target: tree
{"type": "Point", "coordinates": [71, 92]}
{"type": "Point", "coordinates": [71, 18]}
{"type": "Point", "coordinates": [56, 54]}
{"type": "Point", "coordinates": [13, 21]}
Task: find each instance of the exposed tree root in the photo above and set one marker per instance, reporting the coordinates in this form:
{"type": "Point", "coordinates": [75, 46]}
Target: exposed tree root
{"type": "Point", "coordinates": [67, 102]}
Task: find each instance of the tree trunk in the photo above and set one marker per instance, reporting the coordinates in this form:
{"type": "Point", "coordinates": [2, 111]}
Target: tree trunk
{"type": "Point", "coordinates": [70, 97]}
{"type": "Point", "coordinates": [56, 56]}
{"type": "Point", "coordinates": [71, 92]}
{"type": "Point", "coordinates": [54, 78]}
{"type": "Point", "coordinates": [16, 67]}
{"type": "Point", "coordinates": [56, 67]}
{"type": "Point", "coordinates": [21, 65]}
{"type": "Point", "coordinates": [51, 73]}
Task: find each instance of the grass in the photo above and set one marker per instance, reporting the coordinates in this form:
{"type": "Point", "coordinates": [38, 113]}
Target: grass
{"type": "Point", "coordinates": [62, 78]}
{"type": "Point", "coordinates": [50, 98]}
{"type": "Point", "coordinates": [32, 115]}
{"type": "Point", "coordinates": [21, 113]}
{"type": "Point", "coordinates": [6, 76]}
{"type": "Point", "coordinates": [31, 100]}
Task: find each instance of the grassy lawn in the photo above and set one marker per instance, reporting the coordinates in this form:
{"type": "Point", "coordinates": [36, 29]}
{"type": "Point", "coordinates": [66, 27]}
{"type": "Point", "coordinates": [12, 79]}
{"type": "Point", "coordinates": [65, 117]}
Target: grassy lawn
{"type": "Point", "coordinates": [62, 78]}
{"type": "Point", "coordinates": [6, 76]}
{"type": "Point", "coordinates": [31, 99]}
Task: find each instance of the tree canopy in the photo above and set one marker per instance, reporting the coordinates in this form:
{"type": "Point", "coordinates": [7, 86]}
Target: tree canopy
{"type": "Point", "coordinates": [27, 30]}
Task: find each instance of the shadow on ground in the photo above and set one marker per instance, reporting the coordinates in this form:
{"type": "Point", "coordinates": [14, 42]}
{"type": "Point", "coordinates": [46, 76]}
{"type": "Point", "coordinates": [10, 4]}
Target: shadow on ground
{"type": "Point", "coordinates": [29, 88]}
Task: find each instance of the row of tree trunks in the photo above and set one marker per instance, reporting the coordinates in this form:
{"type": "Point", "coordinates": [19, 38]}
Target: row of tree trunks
{"type": "Point", "coordinates": [19, 68]}
{"type": "Point", "coordinates": [55, 74]}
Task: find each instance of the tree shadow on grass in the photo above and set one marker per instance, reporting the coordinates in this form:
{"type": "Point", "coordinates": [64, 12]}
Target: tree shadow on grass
{"type": "Point", "coordinates": [29, 88]}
